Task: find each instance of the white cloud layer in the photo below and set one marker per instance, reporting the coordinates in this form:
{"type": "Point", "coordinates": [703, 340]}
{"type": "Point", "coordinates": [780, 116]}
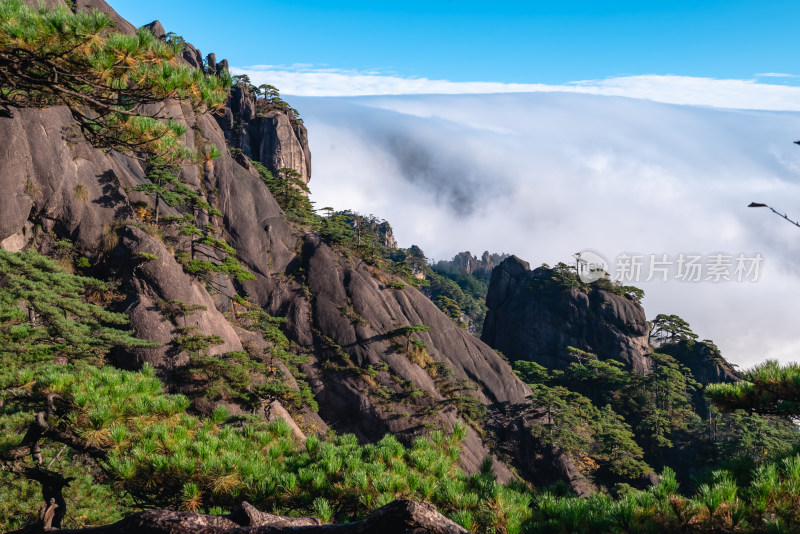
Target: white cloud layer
{"type": "Point", "coordinates": [307, 80]}
{"type": "Point", "coordinates": [545, 175]}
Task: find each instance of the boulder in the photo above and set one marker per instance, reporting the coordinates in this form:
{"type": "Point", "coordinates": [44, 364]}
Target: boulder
{"type": "Point", "coordinates": [156, 29]}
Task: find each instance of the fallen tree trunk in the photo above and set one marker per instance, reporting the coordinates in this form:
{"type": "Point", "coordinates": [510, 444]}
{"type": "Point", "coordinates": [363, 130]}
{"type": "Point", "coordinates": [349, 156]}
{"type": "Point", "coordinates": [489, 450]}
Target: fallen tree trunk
{"type": "Point", "coordinates": [401, 516]}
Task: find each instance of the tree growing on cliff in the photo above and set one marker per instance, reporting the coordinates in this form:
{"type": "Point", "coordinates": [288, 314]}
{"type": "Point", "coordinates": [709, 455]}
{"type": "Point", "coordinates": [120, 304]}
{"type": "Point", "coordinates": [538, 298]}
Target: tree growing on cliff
{"type": "Point", "coordinates": [408, 332]}
{"type": "Point", "coordinates": [269, 92]}
{"type": "Point", "coordinates": [669, 329]}
{"type": "Point", "coordinates": [289, 190]}
{"type": "Point", "coordinates": [113, 84]}
{"type": "Point", "coordinates": [162, 186]}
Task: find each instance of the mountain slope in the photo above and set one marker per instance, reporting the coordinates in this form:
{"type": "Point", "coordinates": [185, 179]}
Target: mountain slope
{"type": "Point", "coordinates": [67, 191]}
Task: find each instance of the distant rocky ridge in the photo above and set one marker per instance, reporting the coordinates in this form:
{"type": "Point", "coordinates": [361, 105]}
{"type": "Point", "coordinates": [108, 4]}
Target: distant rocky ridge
{"type": "Point", "coordinates": [466, 262]}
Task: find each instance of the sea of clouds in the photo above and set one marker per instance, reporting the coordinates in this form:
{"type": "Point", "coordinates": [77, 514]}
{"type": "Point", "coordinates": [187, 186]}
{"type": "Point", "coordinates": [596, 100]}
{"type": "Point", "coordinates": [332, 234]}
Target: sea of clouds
{"type": "Point", "coordinates": [546, 174]}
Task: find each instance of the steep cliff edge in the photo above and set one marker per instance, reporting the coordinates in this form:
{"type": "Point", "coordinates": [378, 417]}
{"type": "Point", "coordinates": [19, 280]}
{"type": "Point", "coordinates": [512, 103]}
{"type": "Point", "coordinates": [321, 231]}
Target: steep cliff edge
{"type": "Point", "coordinates": [534, 317]}
{"type": "Point", "coordinates": [273, 137]}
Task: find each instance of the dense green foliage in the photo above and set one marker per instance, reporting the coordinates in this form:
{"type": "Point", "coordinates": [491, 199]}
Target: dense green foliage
{"type": "Point", "coordinates": [769, 388]}
{"type": "Point", "coordinates": [771, 503]}
{"type": "Point", "coordinates": [56, 57]}
{"type": "Point", "coordinates": [661, 410]}
{"type": "Point", "coordinates": [46, 316]}
{"type": "Point", "coordinates": [44, 313]}
{"type": "Point", "coordinates": [657, 405]}
{"type": "Point", "coordinates": [598, 439]}
{"type": "Point", "coordinates": [459, 294]}
{"type": "Point", "coordinates": [144, 441]}
{"type": "Point", "coordinates": [253, 376]}
{"type": "Point", "coordinates": [751, 475]}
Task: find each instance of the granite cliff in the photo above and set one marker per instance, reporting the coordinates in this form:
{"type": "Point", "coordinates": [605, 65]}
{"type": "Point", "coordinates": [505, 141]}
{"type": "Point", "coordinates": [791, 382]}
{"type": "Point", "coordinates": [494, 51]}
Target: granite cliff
{"type": "Point", "coordinates": [532, 318]}
{"type": "Point", "coordinates": [541, 315]}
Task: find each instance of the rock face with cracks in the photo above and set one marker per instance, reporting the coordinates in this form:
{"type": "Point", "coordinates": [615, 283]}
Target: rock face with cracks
{"type": "Point", "coordinates": [274, 138]}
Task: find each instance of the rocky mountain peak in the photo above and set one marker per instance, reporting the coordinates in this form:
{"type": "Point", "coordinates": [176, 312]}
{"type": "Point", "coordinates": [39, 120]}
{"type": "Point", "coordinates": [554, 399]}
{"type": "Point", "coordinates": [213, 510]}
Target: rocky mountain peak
{"type": "Point", "coordinates": [533, 317]}
{"type": "Point", "coordinates": [468, 263]}
{"type": "Point", "coordinates": [274, 137]}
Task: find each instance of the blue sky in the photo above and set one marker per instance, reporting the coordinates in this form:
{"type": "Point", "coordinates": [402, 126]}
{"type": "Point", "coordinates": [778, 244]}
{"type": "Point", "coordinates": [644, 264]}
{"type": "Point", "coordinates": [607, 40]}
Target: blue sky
{"type": "Point", "coordinates": [548, 42]}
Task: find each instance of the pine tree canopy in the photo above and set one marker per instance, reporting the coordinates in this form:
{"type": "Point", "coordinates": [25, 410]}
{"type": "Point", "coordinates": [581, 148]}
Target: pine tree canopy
{"type": "Point", "coordinates": [55, 57]}
{"type": "Point", "coordinates": [768, 389]}
{"type": "Point", "coordinates": [44, 313]}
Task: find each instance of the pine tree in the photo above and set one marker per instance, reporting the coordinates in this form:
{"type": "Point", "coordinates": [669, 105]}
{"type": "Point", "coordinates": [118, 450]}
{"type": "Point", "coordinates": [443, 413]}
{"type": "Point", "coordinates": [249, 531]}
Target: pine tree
{"type": "Point", "coordinates": [669, 329]}
{"type": "Point", "coordinates": [163, 183]}
{"type": "Point", "coordinates": [768, 389]}
{"type": "Point", "coordinates": [50, 334]}
{"type": "Point", "coordinates": [44, 313]}
{"type": "Point", "coordinates": [56, 57]}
